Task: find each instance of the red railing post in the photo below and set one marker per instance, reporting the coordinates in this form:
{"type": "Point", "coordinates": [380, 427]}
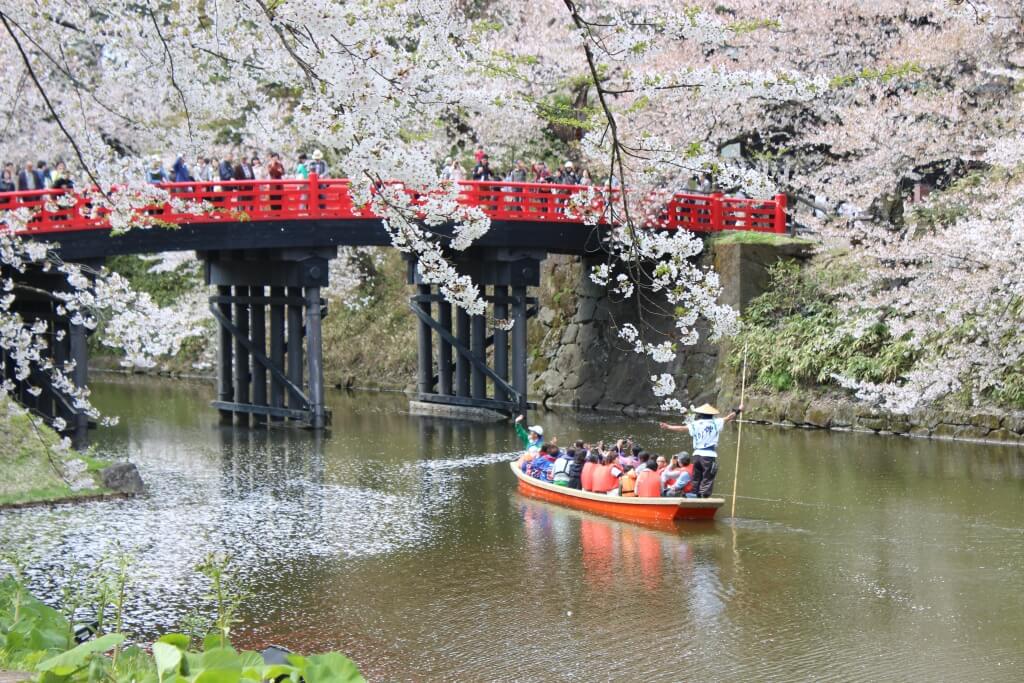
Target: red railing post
{"type": "Point", "coordinates": [780, 213]}
{"type": "Point", "coordinates": [717, 212]}
{"type": "Point", "coordinates": [314, 195]}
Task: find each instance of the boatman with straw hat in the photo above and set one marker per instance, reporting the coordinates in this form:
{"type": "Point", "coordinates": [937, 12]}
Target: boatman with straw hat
{"type": "Point", "coordinates": [704, 429]}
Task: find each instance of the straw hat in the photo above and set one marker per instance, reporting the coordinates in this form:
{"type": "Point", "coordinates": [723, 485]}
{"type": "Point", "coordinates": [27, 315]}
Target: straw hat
{"type": "Point", "coordinates": [317, 154]}
{"type": "Point", "coordinates": [706, 409]}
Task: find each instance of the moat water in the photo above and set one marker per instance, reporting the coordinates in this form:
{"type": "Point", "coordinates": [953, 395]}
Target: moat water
{"type": "Point", "coordinates": [403, 542]}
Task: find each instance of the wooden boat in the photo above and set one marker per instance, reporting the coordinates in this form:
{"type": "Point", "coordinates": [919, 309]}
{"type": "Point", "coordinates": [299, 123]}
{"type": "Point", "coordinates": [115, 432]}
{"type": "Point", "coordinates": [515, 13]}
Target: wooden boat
{"type": "Point", "coordinates": [627, 508]}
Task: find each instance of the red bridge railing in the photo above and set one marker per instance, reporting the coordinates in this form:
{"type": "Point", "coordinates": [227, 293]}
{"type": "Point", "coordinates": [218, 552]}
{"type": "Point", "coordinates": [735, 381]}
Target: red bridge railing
{"type": "Point", "coordinates": [330, 199]}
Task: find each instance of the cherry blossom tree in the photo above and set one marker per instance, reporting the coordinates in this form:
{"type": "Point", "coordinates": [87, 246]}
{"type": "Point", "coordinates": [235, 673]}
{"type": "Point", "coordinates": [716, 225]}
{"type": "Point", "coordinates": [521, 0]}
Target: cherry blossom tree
{"type": "Point", "coordinates": [837, 103]}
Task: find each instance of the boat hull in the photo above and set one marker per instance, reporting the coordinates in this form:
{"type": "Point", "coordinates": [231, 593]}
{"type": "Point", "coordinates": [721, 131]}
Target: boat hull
{"type": "Point", "coordinates": [629, 509]}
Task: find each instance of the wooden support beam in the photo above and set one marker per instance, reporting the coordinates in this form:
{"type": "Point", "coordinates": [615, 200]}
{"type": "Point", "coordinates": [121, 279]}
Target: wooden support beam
{"type": "Point", "coordinates": [500, 339]}
{"type": "Point", "coordinates": [444, 350]}
{"type": "Point", "coordinates": [295, 334]}
{"type": "Point", "coordinates": [519, 318]}
{"type": "Point", "coordinates": [425, 360]}
{"type": "Point", "coordinates": [258, 314]}
{"type": "Point", "coordinates": [241, 354]}
{"type": "Point", "coordinates": [314, 355]}
{"type": "Point", "coordinates": [225, 381]}
{"type": "Point", "coordinates": [462, 361]}
{"type": "Point", "coordinates": [277, 340]}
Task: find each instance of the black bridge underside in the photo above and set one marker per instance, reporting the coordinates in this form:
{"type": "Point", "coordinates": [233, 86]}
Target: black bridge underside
{"type": "Point", "coordinates": [558, 238]}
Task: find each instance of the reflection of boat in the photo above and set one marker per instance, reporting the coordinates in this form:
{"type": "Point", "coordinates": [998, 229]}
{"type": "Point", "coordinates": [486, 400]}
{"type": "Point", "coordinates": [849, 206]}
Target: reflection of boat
{"type": "Point", "coordinates": [631, 509]}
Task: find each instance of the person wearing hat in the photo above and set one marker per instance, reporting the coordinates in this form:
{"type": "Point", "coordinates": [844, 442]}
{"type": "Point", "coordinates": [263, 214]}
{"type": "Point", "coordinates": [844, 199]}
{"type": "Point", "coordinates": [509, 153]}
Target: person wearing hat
{"type": "Point", "coordinates": [704, 428]}
{"type": "Point", "coordinates": [532, 437]}
{"type": "Point", "coordinates": [568, 175]}
{"type": "Point", "coordinates": [318, 165]}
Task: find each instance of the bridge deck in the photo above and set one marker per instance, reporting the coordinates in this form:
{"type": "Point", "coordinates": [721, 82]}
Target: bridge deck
{"type": "Point", "coordinates": [321, 212]}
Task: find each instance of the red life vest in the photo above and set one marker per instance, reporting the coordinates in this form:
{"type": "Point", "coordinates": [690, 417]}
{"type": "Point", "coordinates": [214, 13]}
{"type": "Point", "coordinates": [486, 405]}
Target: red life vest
{"type": "Point", "coordinates": [648, 484]}
{"type": "Point", "coordinates": [604, 480]}
{"type": "Point", "coordinates": [587, 475]}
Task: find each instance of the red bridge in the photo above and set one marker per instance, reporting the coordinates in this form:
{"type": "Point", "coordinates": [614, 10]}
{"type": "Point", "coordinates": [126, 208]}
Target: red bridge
{"type": "Point", "coordinates": [266, 246]}
{"type": "Point", "coordinates": [316, 199]}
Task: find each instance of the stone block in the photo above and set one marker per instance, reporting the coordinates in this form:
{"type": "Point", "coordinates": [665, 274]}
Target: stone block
{"type": "Point", "coordinates": [796, 410]}
{"type": "Point", "coordinates": [569, 334]}
{"type": "Point", "coordinates": [843, 415]}
{"type": "Point", "coordinates": [944, 431]}
{"type": "Point", "coordinates": [585, 310]}
{"type": "Point", "coordinates": [970, 432]}
{"type": "Point", "coordinates": [875, 424]}
{"type": "Point", "coordinates": [986, 420]}
{"type": "Point", "coordinates": [818, 414]}
{"type": "Point", "coordinates": [1002, 435]}
{"type": "Point", "coordinates": [1013, 422]}
{"type": "Point", "coordinates": [920, 431]}
{"type": "Point", "coordinates": [122, 477]}
{"type": "Point", "coordinates": [899, 424]}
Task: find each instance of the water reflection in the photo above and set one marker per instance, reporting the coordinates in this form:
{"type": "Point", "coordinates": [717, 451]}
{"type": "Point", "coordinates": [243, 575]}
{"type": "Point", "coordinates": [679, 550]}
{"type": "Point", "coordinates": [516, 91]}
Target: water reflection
{"type": "Point", "coordinates": [402, 541]}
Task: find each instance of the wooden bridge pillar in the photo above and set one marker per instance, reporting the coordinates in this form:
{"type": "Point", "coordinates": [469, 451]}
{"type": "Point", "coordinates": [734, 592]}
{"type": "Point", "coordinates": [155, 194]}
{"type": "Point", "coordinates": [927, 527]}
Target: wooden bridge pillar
{"type": "Point", "coordinates": [255, 386]}
{"type": "Point", "coordinates": [477, 384]}
{"type": "Point", "coordinates": [67, 349]}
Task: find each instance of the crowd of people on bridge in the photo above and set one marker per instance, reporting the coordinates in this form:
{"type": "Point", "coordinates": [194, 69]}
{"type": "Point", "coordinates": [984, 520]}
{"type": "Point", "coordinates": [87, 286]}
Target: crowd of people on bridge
{"type": "Point", "coordinates": [625, 468]}
{"type": "Point", "coordinates": [41, 174]}
{"type": "Point", "coordinates": [35, 175]}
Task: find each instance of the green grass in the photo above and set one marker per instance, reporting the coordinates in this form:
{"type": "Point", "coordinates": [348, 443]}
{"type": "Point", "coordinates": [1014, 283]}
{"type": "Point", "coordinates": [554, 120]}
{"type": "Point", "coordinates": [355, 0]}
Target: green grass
{"type": "Point", "coordinates": [750, 237]}
{"type": "Point", "coordinates": [30, 460]}
{"type": "Point", "coordinates": [48, 494]}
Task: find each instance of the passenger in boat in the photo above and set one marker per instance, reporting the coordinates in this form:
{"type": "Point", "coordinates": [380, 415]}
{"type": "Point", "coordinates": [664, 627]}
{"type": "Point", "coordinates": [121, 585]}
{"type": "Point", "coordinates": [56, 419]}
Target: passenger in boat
{"type": "Point", "coordinates": [660, 464]}
{"type": "Point", "coordinates": [542, 465]}
{"type": "Point", "coordinates": [704, 429]}
{"type": "Point", "coordinates": [627, 483]}
{"type": "Point", "coordinates": [648, 483]}
{"type": "Point", "coordinates": [560, 468]}
{"type": "Point", "coordinates": [630, 456]}
{"type": "Point", "coordinates": [670, 473]}
{"type": "Point", "coordinates": [643, 461]}
{"type": "Point", "coordinates": [534, 436]}
{"type": "Point", "coordinates": [526, 458]}
{"type": "Point", "coordinates": [680, 482]}
{"type": "Point", "coordinates": [593, 461]}
{"type": "Point", "coordinates": [606, 476]}
{"type": "Point", "coordinates": [576, 469]}
{"type": "Point", "coordinates": [683, 483]}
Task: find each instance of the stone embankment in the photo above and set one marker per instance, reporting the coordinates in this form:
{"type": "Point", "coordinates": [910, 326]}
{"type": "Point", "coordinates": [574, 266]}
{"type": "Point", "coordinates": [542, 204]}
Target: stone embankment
{"type": "Point", "coordinates": [840, 414]}
{"type": "Point", "coordinates": [583, 364]}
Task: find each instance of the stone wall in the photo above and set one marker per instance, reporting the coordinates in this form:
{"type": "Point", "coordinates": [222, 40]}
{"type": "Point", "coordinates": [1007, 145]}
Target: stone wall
{"type": "Point", "coordinates": [581, 363]}
{"type": "Point", "coordinates": [830, 412]}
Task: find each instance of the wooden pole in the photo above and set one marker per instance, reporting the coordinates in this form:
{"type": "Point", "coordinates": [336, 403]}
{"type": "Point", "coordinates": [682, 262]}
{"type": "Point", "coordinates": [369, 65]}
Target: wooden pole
{"type": "Point", "coordinates": [739, 434]}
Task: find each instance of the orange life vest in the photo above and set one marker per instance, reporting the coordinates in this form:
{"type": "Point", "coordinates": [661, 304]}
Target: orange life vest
{"type": "Point", "coordinates": [587, 475]}
{"type": "Point", "coordinates": [604, 480]}
{"type": "Point", "coordinates": [627, 483]}
{"type": "Point", "coordinates": [648, 484]}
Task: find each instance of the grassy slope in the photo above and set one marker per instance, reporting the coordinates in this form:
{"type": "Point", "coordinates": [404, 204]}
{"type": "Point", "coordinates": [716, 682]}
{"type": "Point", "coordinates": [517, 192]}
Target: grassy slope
{"type": "Point", "coordinates": [29, 462]}
{"type": "Point", "coordinates": [373, 346]}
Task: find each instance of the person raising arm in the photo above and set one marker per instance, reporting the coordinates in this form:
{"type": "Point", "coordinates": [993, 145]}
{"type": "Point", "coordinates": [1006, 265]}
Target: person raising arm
{"type": "Point", "coordinates": [704, 428]}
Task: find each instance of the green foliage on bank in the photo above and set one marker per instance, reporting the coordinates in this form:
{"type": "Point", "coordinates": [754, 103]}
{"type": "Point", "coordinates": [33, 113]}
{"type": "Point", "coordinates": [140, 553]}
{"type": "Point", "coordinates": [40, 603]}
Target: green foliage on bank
{"type": "Point", "coordinates": [795, 337]}
{"type": "Point", "coordinates": [41, 639]}
{"type": "Point", "coordinates": [165, 288]}
{"type": "Point", "coordinates": [32, 461]}
{"type": "Point", "coordinates": [369, 338]}
{"type": "Point", "coordinates": [749, 237]}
